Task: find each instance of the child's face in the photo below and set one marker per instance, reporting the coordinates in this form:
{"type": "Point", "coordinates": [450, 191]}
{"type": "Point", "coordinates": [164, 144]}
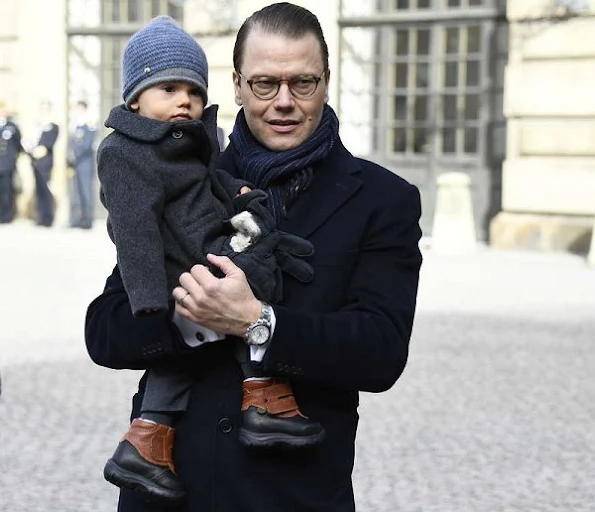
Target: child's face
{"type": "Point", "coordinates": [169, 101]}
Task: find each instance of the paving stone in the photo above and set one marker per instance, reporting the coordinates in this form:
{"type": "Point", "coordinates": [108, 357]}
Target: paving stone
{"type": "Point", "coordinates": [494, 411]}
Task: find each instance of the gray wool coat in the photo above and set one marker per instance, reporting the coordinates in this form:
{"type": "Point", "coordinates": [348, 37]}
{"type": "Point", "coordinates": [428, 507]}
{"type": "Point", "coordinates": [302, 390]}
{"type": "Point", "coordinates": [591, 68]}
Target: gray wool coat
{"type": "Point", "coordinates": [166, 204]}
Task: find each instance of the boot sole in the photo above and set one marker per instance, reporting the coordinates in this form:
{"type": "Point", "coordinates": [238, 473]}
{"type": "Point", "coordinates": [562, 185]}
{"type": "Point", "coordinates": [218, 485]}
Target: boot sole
{"type": "Point", "coordinates": [276, 440]}
{"type": "Point", "coordinates": [145, 488]}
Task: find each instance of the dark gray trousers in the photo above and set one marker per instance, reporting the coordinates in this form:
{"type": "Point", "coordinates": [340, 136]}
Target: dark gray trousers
{"type": "Point", "coordinates": [6, 196]}
{"type": "Point", "coordinates": [43, 195]}
{"type": "Point", "coordinates": [167, 389]}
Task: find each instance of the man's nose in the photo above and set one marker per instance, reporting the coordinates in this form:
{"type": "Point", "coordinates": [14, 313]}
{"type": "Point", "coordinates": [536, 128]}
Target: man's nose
{"type": "Point", "coordinates": [284, 98]}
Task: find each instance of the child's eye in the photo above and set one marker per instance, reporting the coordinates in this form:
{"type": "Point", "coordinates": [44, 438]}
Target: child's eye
{"type": "Point", "coordinates": [168, 88]}
{"type": "Point", "coordinates": [195, 92]}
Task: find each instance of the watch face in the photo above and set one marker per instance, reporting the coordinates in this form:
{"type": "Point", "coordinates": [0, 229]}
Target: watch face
{"type": "Point", "coordinates": [259, 335]}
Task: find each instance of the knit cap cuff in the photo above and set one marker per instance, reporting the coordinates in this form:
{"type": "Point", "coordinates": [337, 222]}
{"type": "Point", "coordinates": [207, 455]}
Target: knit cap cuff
{"type": "Point", "coordinates": [168, 75]}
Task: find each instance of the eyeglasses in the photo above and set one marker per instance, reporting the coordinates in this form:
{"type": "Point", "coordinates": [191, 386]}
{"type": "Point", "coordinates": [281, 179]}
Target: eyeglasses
{"type": "Point", "coordinates": [301, 87]}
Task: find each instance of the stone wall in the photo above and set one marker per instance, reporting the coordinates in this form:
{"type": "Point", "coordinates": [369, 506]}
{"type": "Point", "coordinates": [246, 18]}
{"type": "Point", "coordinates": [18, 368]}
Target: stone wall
{"type": "Point", "coordinates": [32, 70]}
{"type": "Point", "coordinates": [548, 192]}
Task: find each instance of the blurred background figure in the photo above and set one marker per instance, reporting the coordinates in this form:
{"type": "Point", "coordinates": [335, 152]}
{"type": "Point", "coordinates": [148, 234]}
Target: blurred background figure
{"type": "Point", "coordinates": [221, 138]}
{"type": "Point", "coordinates": [42, 160]}
{"type": "Point", "coordinates": [10, 147]}
{"type": "Point", "coordinates": [81, 163]}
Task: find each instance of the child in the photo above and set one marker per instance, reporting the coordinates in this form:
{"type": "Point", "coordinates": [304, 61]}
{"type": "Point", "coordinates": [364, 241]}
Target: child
{"type": "Point", "coordinates": [167, 209]}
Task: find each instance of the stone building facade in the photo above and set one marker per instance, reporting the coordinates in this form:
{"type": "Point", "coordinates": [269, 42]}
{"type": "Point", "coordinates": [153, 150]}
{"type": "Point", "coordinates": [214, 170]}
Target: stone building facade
{"type": "Point", "coordinates": [548, 196]}
{"type": "Point", "coordinates": [500, 90]}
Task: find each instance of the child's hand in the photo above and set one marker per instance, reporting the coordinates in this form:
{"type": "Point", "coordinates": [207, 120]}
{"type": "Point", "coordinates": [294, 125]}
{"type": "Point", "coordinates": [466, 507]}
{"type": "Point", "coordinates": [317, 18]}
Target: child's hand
{"type": "Point", "coordinates": [244, 190]}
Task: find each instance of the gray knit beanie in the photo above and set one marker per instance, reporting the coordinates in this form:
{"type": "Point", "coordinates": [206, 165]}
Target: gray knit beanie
{"type": "Point", "coordinates": [161, 52]}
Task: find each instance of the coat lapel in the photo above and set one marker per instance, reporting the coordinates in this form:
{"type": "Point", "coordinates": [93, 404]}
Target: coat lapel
{"type": "Point", "coordinates": [335, 181]}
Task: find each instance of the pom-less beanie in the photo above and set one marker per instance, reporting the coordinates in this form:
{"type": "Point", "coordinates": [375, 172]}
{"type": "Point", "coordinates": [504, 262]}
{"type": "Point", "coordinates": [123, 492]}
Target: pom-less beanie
{"type": "Point", "coordinates": [162, 52]}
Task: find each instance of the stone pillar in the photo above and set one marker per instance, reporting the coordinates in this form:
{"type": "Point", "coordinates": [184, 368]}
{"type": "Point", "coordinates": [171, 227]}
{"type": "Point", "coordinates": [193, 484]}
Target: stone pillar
{"type": "Point", "coordinates": [453, 230]}
{"type": "Point", "coordinates": [548, 176]}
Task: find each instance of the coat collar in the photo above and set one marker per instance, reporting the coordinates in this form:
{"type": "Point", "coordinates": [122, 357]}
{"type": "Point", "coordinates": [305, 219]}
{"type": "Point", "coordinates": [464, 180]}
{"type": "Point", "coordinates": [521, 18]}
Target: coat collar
{"type": "Point", "coordinates": [150, 130]}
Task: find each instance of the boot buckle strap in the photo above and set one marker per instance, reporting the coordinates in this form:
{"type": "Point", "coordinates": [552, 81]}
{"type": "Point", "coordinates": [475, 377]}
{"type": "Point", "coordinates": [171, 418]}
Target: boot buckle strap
{"type": "Point", "coordinates": [282, 404]}
{"type": "Point", "coordinates": [161, 449]}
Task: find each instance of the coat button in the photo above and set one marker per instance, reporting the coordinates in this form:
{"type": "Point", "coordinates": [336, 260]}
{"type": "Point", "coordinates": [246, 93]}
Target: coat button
{"type": "Point", "coordinates": [177, 134]}
{"type": "Point", "coordinates": [225, 425]}
{"type": "Point", "coordinates": [200, 336]}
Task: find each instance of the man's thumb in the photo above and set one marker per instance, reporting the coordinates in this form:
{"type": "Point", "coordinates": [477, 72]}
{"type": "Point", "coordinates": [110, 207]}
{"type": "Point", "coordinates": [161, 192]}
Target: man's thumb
{"type": "Point", "coordinates": [223, 263]}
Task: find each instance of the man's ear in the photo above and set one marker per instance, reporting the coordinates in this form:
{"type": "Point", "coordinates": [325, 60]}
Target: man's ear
{"type": "Point", "coordinates": [237, 89]}
{"type": "Point", "coordinates": [327, 77]}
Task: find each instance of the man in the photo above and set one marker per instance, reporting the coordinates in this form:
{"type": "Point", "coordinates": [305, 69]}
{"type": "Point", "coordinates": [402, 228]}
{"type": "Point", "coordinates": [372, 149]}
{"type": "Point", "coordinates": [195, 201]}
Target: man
{"type": "Point", "coordinates": [81, 160]}
{"type": "Point", "coordinates": [10, 147]}
{"type": "Point", "coordinates": [42, 160]}
{"type": "Point", "coordinates": [346, 331]}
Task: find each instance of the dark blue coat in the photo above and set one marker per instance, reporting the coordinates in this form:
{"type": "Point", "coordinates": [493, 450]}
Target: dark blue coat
{"type": "Point", "coordinates": [80, 146]}
{"type": "Point", "coordinates": [10, 146]}
{"type": "Point", "coordinates": [346, 331]}
{"type": "Point", "coordinates": [47, 138]}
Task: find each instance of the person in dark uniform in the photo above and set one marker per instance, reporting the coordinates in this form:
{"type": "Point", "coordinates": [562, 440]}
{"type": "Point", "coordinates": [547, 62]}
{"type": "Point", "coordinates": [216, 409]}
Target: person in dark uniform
{"type": "Point", "coordinates": [42, 160]}
{"type": "Point", "coordinates": [10, 147]}
{"type": "Point", "coordinates": [81, 161]}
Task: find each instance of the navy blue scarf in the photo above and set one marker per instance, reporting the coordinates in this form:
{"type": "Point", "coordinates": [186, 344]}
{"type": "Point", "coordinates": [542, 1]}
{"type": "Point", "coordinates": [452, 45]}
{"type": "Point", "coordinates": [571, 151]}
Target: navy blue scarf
{"type": "Point", "coordinates": [282, 174]}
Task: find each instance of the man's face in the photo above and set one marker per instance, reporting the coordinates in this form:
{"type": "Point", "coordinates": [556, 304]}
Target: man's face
{"type": "Point", "coordinates": [284, 121]}
{"type": "Point", "coordinates": [169, 101]}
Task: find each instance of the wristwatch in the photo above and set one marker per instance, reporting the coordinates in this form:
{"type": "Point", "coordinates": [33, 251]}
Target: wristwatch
{"type": "Point", "coordinates": [259, 332]}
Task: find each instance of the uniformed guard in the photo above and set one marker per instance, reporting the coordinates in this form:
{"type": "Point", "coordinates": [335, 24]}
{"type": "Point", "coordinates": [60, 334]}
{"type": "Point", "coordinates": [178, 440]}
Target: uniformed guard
{"type": "Point", "coordinates": [10, 147]}
{"type": "Point", "coordinates": [81, 161]}
{"type": "Point", "coordinates": [42, 160]}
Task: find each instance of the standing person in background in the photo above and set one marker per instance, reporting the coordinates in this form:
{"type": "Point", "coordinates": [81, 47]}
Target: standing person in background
{"type": "Point", "coordinates": [346, 331]}
{"type": "Point", "coordinates": [10, 147]}
{"type": "Point", "coordinates": [42, 161]}
{"type": "Point", "coordinates": [221, 138]}
{"type": "Point", "coordinates": [81, 161]}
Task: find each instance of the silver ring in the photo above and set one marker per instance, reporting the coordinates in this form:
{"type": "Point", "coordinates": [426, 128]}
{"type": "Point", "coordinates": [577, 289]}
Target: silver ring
{"type": "Point", "coordinates": [181, 301]}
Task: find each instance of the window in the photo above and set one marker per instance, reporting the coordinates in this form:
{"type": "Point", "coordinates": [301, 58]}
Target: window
{"type": "Point", "coordinates": [426, 85]}
{"type": "Point", "coordinates": [436, 89]}
{"type": "Point", "coordinates": [421, 88]}
{"type": "Point", "coordinates": [98, 31]}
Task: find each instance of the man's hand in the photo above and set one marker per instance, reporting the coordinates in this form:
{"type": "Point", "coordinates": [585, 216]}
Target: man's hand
{"type": "Point", "coordinates": [224, 304]}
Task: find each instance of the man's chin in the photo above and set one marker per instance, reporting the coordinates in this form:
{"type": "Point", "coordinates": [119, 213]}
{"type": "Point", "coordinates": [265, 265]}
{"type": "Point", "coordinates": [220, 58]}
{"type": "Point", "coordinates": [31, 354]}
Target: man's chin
{"type": "Point", "coordinates": [277, 142]}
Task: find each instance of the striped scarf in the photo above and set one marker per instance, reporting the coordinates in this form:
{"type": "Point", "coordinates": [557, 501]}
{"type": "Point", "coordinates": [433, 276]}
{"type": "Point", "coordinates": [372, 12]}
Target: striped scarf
{"type": "Point", "coordinates": [282, 174]}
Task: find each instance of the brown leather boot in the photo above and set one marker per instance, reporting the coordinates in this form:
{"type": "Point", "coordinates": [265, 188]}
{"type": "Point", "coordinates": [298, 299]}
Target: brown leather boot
{"type": "Point", "coordinates": [271, 417]}
{"type": "Point", "coordinates": [143, 462]}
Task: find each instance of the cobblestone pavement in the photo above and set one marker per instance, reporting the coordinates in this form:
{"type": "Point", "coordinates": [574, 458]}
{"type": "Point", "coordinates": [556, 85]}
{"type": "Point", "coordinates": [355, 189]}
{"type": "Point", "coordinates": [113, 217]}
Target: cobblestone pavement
{"type": "Point", "coordinates": [495, 411]}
